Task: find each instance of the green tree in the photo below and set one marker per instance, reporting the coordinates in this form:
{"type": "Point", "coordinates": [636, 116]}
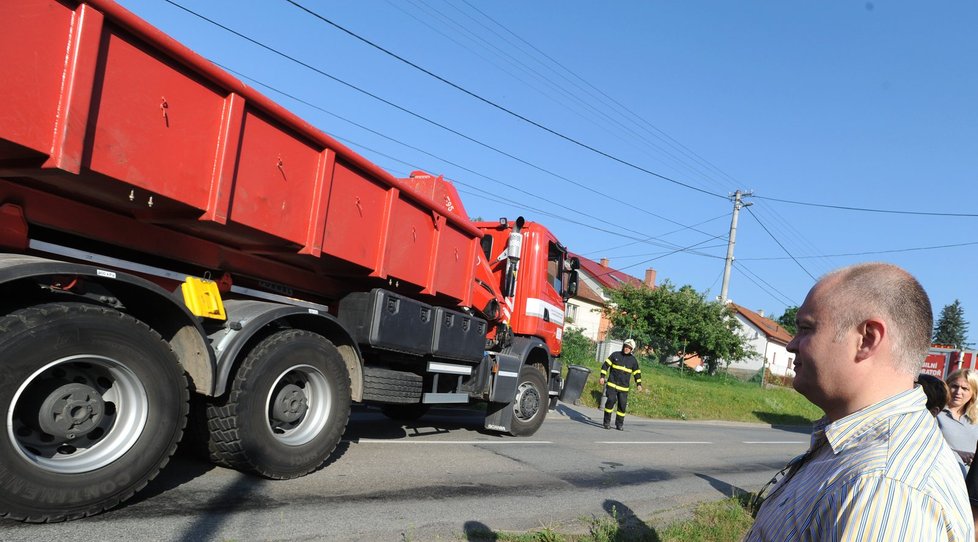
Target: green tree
{"type": "Point", "coordinates": [951, 327]}
{"type": "Point", "coordinates": [787, 320]}
{"type": "Point", "coordinates": [676, 321]}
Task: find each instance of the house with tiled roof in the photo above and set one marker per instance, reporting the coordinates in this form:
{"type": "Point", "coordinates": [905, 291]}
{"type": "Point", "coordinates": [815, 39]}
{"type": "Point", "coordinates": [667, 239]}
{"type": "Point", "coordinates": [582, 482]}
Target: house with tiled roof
{"type": "Point", "coordinates": [768, 338]}
{"type": "Point", "coordinates": [585, 310]}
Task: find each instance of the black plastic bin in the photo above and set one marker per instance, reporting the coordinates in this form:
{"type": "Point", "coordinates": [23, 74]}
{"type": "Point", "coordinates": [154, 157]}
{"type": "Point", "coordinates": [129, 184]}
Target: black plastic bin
{"type": "Point", "coordinates": [574, 383]}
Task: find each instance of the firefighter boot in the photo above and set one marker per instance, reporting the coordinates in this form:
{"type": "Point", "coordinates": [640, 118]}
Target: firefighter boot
{"type": "Point", "coordinates": [607, 421]}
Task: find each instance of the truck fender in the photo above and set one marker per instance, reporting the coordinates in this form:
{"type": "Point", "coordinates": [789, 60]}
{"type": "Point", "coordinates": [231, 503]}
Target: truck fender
{"type": "Point", "coordinates": [158, 308]}
{"type": "Point", "coordinates": [522, 351]}
{"type": "Point", "coordinates": [530, 350]}
{"type": "Point", "coordinates": [248, 318]}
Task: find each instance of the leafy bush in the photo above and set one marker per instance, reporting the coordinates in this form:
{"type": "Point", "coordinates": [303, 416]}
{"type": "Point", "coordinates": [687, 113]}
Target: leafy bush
{"type": "Point", "coordinates": [577, 349]}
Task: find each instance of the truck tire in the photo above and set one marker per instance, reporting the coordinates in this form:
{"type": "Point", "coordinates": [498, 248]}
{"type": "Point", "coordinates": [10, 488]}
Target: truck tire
{"type": "Point", "coordinates": [389, 386]}
{"type": "Point", "coordinates": [287, 409]}
{"type": "Point", "coordinates": [95, 403]}
{"type": "Point", "coordinates": [531, 402]}
{"type": "Point", "coordinates": [405, 413]}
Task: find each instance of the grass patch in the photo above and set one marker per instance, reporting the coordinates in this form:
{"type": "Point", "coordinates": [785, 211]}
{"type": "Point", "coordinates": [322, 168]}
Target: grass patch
{"type": "Point", "coordinates": [719, 521]}
{"type": "Point", "coordinates": [670, 394]}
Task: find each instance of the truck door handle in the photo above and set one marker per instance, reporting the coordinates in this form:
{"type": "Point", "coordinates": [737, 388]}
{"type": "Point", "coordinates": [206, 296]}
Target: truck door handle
{"type": "Point", "coordinates": [546, 315]}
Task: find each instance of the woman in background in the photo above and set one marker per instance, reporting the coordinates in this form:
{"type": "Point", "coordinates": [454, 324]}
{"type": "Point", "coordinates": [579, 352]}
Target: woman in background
{"type": "Point", "coordinates": [957, 420]}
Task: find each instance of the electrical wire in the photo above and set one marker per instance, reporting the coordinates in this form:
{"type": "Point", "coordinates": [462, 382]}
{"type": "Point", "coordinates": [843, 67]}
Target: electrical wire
{"type": "Point", "coordinates": [779, 242]}
{"type": "Point", "coordinates": [635, 117]}
{"type": "Point", "coordinates": [564, 90]}
{"type": "Point", "coordinates": [502, 108]}
{"type": "Point", "coordinates": [645, 239]}
{"type": "Point", "coordinates": [748, 273]}
{"type": "Point", "coordinates": [867, 210]}
{"type": "Point", "coordinates": [869, 253]}
{"type": "Point", "coordinates": [422, 117]}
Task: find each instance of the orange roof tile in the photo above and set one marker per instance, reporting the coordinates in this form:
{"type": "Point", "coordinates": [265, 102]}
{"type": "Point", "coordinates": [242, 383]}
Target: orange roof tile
{"type": "Point", "coordinates": [770, 328]}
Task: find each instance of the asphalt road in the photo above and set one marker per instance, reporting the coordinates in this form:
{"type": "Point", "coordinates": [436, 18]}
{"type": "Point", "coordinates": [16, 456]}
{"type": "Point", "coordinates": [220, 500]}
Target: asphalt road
{"type": "Point", "coordinates": [443, 477]}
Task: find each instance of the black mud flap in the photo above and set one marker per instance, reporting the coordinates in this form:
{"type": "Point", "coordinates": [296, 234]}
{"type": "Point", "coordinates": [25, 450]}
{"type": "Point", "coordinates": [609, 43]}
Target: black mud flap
{"type": "Point", "coordinates": [499, 417]}
{"type": "Point", "coordinates": [499, 412]}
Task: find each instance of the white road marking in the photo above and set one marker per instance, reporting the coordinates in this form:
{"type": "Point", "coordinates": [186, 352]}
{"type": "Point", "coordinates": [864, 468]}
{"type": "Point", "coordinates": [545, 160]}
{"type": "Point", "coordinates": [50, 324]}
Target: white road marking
{"type": "Point", "coordinates": [650, 442]}
{"type": "Point", "coordinates": [382, 441]}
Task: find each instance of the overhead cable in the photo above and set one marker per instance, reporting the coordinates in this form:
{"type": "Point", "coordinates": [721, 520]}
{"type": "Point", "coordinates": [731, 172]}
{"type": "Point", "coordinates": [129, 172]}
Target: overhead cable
{"type": "Point", "coordinates": [867, 210]}
{"type": "Point", "coordinates": [779, 242]}
{"type": "Point", "coordinates": [423, 118]}
{"type": "Point", "coordinates": [502, 108]}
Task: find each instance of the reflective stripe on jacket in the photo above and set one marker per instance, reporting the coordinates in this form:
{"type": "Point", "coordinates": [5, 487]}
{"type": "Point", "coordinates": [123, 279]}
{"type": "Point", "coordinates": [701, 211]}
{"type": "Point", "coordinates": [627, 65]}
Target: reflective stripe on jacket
{"type": "Point", "coordinates": [618, 370]}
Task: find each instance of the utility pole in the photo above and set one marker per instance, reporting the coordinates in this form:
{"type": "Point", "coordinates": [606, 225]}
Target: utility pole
{"type": "Point", "coordinates": [738, 203]}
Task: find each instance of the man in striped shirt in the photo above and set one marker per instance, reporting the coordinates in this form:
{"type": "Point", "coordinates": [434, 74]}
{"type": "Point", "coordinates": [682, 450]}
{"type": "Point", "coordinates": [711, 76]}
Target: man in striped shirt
{"type": "Point", "coordinates": [878, 468]}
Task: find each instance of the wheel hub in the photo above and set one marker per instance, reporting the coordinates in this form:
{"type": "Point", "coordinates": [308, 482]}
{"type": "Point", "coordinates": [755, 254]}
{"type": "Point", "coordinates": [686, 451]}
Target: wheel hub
{"type": "Point", "coordinates": [290, 404]}
{"type": "Point", "coordinates": [529, 403]}
{"type": "Point", "coordinates": [71, 410]}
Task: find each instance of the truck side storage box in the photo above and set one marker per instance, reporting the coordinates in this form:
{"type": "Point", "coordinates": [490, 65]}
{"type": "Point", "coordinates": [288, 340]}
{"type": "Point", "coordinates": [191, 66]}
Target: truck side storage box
{"type": "Point", "coordinates": [388, 321]}
{"type": "Point", "coordinates": [458, 335]}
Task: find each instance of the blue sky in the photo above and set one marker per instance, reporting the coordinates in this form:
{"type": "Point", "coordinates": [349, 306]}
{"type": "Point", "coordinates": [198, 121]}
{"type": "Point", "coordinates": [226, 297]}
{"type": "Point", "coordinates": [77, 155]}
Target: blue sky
{"type": "Point", "coordinates": [868, 105]}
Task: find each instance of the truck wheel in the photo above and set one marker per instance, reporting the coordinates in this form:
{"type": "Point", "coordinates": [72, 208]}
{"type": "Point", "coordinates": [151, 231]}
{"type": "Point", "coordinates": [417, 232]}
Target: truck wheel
{"type": "Point", "coordinates": [95, 403]}
{"type": "Point", "coordinates": [287, 409]}
{"type": "Point", "coordinates": [531, 402]}
{"type": "Point", "coordinates": [405, 413]}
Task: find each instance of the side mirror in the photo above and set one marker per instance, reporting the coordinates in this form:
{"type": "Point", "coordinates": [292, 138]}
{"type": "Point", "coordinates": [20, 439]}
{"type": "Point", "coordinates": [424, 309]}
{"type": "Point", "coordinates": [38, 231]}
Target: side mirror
{"type": "Point", "coordinates": [575, 263]}
{"type": "Point", "coordinates": [570, 288]}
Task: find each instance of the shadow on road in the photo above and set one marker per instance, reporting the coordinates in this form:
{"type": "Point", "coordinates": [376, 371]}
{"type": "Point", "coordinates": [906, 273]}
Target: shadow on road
{"type": "Point", "coordinates": [184, 466]}
{"type": "Point", "coordinates": [728, 490]}
{"type": "Point", "coordinates": [576, 415]}
{"type": "Point", "coordinates": [370, 423]}
{"type": "Point", "coordinates": [786, 422]}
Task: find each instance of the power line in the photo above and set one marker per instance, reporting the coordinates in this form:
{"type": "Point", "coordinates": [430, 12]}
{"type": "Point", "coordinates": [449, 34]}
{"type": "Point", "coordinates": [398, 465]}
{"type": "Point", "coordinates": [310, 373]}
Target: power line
{"type": "Point", "coordinates": [565, 90]}
{"type": "Point", "coordinates": [645, 239]}
{"type": "Point", "coordinates": [868, 210]}
{"type": "Point", "coordinates": [665, 137]}
{"type": "Point", "coordinates": [682, 249]}
{"type": "Point", "coordinates": [748, 273]}
{"type": "Point", "coordinates": [868, 253]}
{"type": "Point", "coordinates": [779, 243]}
{"type": "Point", "coordinates": [502, 108]}
{"type": "Point", "coordinates": [422, 117]}
{"type": "Point", "coordinates": [595, 252]}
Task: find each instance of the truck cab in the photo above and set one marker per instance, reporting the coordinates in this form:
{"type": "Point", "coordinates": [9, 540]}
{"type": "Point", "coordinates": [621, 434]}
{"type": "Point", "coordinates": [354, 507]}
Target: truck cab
{"type": "Point", "coordinates": [536, 276]}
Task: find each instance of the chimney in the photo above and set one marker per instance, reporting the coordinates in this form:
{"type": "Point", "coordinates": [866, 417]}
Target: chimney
{"type": "Point", "coordinates": [761, 312]}
{"type": "Point", "coordinates": [649, 278]}
{"type": "Point", "coordinates": [604, 262]}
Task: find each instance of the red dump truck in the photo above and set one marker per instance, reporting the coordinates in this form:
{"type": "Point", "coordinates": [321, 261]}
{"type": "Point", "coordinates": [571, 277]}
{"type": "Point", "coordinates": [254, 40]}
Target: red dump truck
{"type": "Point", "coordinates": [175, 246]}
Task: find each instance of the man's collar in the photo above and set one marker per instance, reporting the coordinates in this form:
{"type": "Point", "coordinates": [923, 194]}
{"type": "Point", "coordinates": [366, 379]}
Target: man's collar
{"type": "Point", "coordinates": [844, 430]}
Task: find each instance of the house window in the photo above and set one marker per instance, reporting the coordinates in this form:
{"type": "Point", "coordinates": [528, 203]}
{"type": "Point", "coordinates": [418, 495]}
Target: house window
{"type": "Point", "coordinates": [571, 312]}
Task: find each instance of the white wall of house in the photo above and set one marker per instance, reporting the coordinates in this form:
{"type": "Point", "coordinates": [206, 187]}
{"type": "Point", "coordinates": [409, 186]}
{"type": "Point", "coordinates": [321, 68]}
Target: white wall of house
{"type": "Point", "coordinates": [779, 361]}
{"type": "Point", "coordinates": [585, 316]}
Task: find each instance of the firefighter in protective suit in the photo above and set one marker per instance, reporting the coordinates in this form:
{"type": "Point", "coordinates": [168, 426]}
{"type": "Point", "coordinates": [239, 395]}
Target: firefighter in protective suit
{"type": "Point", "coordinates": [618, 371]}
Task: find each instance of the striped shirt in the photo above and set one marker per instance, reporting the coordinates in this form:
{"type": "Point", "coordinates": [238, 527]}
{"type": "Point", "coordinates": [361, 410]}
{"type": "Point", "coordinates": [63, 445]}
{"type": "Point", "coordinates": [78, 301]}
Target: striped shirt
{"type": "Point", "coordinates": [881, 474]}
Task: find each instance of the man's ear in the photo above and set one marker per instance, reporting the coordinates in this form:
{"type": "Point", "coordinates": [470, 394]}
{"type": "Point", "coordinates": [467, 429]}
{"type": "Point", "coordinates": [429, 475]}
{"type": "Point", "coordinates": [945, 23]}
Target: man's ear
{"type": "Point", "coordinates": [871, 335]}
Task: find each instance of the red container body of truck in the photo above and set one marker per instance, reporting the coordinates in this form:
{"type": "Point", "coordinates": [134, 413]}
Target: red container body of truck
{"type": "Point", "coordinates": [171, 237]}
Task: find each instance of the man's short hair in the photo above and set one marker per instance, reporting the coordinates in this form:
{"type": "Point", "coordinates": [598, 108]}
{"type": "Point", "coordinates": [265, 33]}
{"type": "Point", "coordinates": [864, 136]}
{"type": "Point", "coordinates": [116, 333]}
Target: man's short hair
{"type": "Point", "coordinates": [862, 291]}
